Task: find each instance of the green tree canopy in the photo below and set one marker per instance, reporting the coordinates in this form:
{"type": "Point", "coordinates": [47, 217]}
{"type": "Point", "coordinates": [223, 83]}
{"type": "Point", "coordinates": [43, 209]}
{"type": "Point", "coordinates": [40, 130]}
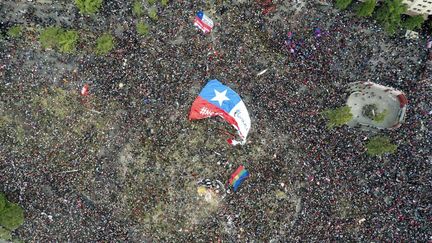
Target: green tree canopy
{"type": "Point", "coordinates": [67, 41]}
{"type": "Point", "coordinates": [152, 13]}
{"type": "Point", "coordinates": [15, 31]}
{"type": "Point", "coordinates": [104, 44]}
{"type": "Point", "coordinates": [389, 15]}
{"type": "Point", "coordinates": [2, 201]}
{"type": "Point", "coordinates": [142, 28]}
{"type": "Point", "coordinates": [414, 22]}
{"type": "Point", "coordinates": [338, 117]}
{"type": "Point", "coordinates": [164, 3]}
{"type": "Point", "coordinates": [11, 215]}
{"type": "Point", "coordinates": [137, 9]}
{"type": "Point", "coordinates": [380, 145]}
{"type": "Point", "coordinates": [58, 38]}
{"type": "Point", "coordinates": [49, 37]}
{"type": "Point", "coordinates": [88, 6]}
{"type": "Point", "coordinates": [5, 234]}
{"type": "Point", "coordinates": [366, 8]}
{"type": "Point", "coordinates": [380, 117]}
{"type": "Point", "coordinates": [342, 4]}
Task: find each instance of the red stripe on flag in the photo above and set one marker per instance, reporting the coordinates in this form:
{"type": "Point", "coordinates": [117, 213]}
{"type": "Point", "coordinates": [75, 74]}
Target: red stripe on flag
{"type": "Point", "coordinates": [202, 25]}
{"type": "Point", "coordinates": [201, 109]}
{"type": "Point", "coordinates": [199, 25]}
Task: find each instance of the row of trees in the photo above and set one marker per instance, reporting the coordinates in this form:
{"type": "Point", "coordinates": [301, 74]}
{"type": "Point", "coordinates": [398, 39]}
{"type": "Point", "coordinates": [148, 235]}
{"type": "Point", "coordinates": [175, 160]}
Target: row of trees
{"type": "Point", "coordinates": [89, 7]}
{"type": "Point", "coordinates": [66, 40]}
{"type": "Point", "coordinates": [389, 14]}
{"type": "Point", "coordinates": [376, 146]}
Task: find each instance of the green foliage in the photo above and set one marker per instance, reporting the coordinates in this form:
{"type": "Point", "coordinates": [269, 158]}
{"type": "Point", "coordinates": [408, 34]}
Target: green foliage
{"type": "Point", "coordinates": [104, 44]}
{"type": "Point", "coordinates": [164, 3]}
{"type": "Point", "coordinates": [380, 116]}
{"type": "Point", "coordinates": [342, 4]}
{"type": "Point", "coordinates": [55, 37]}
{"type": "Point", "coordinates": [142, 28]}
{"type": "Point", "coordinates": [5, 234]}
{"type": "Point", "coordinates": [366, 8]}
{"type": "Point", "coordinates": [151, 2]}
{"type": "Point", "coordinates": [152, 13]}
{"type": "Point", "coordinates": [49, 37]}
{"type": "Point", "coordinates": [15, 31]}
{"type": "Point", "coordinates": [414, 22]}
{"type": "Point", "coordinates": [380, 145]}
{"type": "Point", "coordinates": [137, 9]}
{"type": "Point", "coordinates": [67, 41]}
{"type": "Point", "coordinates": [3, 201]}
{"type": "Point", "coordinates": [88, 6]}
{"type": "Point", "coordinates": [389, 15]}
{"type": "Point", "coordinates": [12, 215]}
{"type": "Point", "coordinates": [338, 117]}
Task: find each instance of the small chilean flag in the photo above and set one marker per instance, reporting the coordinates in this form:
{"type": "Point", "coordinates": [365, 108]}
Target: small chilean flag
{"type": "Point", "coordinates": [238, 177]}
{"type": "Point", "coordinates": [203, 22]}
{"type": "Point", "coordinates": [85, 90]}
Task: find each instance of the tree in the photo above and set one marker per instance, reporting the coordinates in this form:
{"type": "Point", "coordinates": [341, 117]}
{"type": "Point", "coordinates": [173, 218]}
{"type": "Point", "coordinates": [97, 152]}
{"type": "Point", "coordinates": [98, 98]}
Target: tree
{"type": "Point", "coordinates": [56, 37]}
{"type": "Point", "coordinates": [49, 37]}
{"type": "Point", "coordinates": [104, 44]}
{"type": "Point", "coordinates": [152, 13]}
{"type": "Point", "coordinates": [67, 41]}
{"type": "Point", "coordinates": [366, 8]}
{"type": "Point", "coordinates": [338, 117]}
{"type": "Point", "coordinates": [15, 31]}
{"type": "Point", "coordinates": [414, 22]}
{"type": "Point", "coordinates": [164, 3]}
{"type": "Point", "coordinates": [142, 28]}
{"type": "Point", "coordinates": [5, 234]}
{"type": "Point", "coordinates": [88, 6]}
{"type": "Point", "coordinates": [389, 15]}
{"type": "Point", "coordinates": [380, 145]}
{"type": "Point", "coordinates": [342, 4]}
{"type": "Point", "coordinates": [3, 201]}
{"type": "Point", "coordinates": [380, 117]}
{"type": "Point", "coordinates": [137, 9]}
{"type": "Point", "coordinates": [12, 216]}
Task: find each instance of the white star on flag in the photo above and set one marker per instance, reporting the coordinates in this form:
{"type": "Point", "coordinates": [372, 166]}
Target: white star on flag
{"type": "Point", "coordinates": [220, 97]}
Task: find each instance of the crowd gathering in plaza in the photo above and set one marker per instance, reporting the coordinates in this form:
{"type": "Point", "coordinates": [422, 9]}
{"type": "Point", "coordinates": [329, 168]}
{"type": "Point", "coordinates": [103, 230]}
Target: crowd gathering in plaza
{"type": "Point", "coordinates": [333, 191]}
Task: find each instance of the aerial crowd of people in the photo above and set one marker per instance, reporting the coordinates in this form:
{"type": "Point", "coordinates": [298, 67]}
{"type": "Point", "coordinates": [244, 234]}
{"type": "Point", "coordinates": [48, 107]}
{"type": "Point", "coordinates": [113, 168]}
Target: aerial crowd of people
{"type": "Point", "coordinates": [310, 57]}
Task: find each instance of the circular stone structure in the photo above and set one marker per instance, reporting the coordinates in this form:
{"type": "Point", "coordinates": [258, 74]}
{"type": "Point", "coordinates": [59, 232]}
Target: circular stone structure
{"type": "Point", "coordinates": [388, 102]}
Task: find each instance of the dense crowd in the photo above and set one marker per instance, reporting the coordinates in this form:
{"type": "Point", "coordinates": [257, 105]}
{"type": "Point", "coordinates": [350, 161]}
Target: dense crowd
{"type": "Point", "coordinates": [334, 191]}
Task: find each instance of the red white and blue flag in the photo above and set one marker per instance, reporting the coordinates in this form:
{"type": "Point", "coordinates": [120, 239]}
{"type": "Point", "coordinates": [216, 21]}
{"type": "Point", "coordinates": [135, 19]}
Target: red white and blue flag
{"type": "Point", "coordinates": [203, 22]}
{"type": "Point", "coordinates": [216, 99]}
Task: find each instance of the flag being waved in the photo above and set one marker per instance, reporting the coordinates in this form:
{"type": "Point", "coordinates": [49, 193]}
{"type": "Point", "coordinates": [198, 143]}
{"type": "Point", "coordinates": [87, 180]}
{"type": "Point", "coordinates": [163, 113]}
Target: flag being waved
{"type": "Point", "coordinates": [216, 99]}
{"type": "Point", "coordinates": [203, 22]}
{"type": "Point", "coordinates": [238, 177]}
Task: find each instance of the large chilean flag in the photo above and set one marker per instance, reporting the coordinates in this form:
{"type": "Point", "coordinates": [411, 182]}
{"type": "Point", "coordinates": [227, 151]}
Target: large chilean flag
{"type": "Point", "coordinates": [216, 99]}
